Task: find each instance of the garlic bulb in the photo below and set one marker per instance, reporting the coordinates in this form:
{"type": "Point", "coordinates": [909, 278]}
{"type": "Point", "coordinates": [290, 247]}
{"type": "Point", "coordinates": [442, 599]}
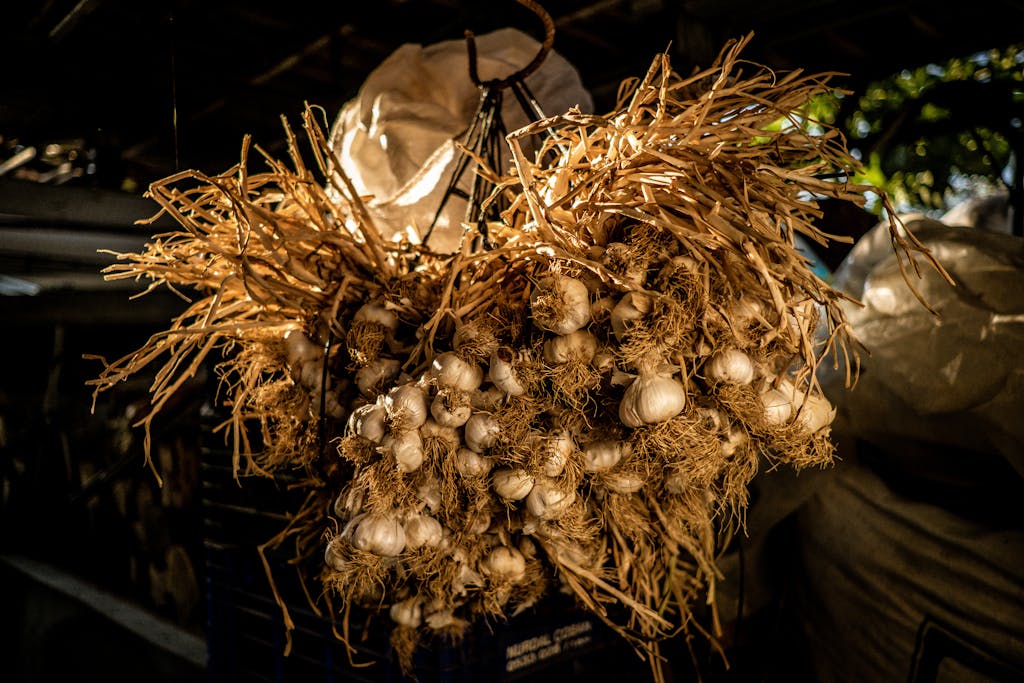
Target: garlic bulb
{"type": "Point", "coordinates": [406, 406]}
{"type": "Point", "coordinates": [480, 432]}
{"type": "Point", "coordinates": [474, 340]}
{"type": "Point", "coordinates": [487, 400]}
{"type": "Point", "coordinates": [450, 408]}
{"type": "Point", "coordinates": [505, 562]}
{"type": "Point", "coordinates": [560, 304]}
{"type": "Point", "coordinates": [479, 523]}
{"type": "Point", "coordinates": [710, 419]}
{"type": "Point", "coordinates": [512, 484]}
{"type": "Point", "coordinates": [815, 414]}
{"type": "Point", "coordinates": [631, 307]}
{"type": "Point", "coordinates": [407, 449]}
{"type": "Point", "coordinates": [623, 482]}
{"type": "Point", "coordinates": [601, 310]}
{"type": "Point", "coordinates": [557, 449]}
{"type": "Point", "coordinates": [746, 311]}
{"type": "Point", "coordinates": [422, 530]}
{"type": "Point", "coordinates": [377, 313]}
{"type": "Point", "coordinates": [448, 370]}
{"type": "Point", "coordinates": [334, 556]}
{"type": "Point", "coordinates": [300, 349]}
{"type": "Point", "coordinates": [368, 422]}
{"type": "Point", "coordinates": [470, 464]}
{"type": "Point", "coordinates": [379, 535]}
{"type": "Point", "coordinates": [502, 372]}
{"type": "Point", "coordinates": [778, 407]}
{"type": "Point", "coordinates": [579, 346]}
{"type": "Point", "coordinates": [441, 618]}
{"type": "Point", "coordinates": [604, 360]}
{"type": "Point", "coordinates": [348, 504]}
{"type": "Point", "coordinates": [375, 374]}
{"type": "Point", "coordinates": [733, 440]}
{"type": "Point", "coordinates": [547, 500]}
{"type": "Point", "coordinates": [407, 613]}
{"type": "Point", "coordinates": [650, 399]}
{"type": "Point", "coordinates": [602, 454]}
{"type": "Point", "coordinates": [429, 492]}
{"type": "Point", "coordinates": [730, 366]}
{"type": "Point", "coordinates": [622, 259]}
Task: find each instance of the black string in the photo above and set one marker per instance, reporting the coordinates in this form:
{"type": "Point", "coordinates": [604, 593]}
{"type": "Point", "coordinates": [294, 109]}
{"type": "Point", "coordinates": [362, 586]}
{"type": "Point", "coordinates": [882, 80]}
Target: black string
{"type": "Point", "coordinates": [174, 90]}
{"type": "Point", "coordinates": [324, 375]}
{"type": "Point", "coordinates": [486, 136]}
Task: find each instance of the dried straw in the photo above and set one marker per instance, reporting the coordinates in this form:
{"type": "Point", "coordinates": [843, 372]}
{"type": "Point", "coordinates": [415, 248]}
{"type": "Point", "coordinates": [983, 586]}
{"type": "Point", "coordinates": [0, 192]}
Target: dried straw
{"type": "Point", "coordinates": [691, 192]}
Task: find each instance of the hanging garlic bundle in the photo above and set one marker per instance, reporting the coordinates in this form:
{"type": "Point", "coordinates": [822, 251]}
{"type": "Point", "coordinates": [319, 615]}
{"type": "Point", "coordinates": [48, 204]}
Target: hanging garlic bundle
{"type": "Point", "coordinates": [581, 408]}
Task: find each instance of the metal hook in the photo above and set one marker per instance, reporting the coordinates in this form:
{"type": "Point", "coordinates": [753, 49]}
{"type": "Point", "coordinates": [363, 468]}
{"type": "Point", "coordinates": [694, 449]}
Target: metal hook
{"type": "Point", "coordinates": [538, 59]}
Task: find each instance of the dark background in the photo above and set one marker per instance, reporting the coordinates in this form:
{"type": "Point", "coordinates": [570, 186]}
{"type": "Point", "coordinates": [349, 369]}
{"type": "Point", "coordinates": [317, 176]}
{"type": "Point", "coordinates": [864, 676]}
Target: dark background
{"type": "Point", "coordinates": [99, 98]}
{"type": "Point", "coordinates": [153, 87]}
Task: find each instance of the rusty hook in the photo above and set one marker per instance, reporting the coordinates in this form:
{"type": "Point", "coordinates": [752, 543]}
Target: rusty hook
{"type": "Point", "coordinates": [542, 53]}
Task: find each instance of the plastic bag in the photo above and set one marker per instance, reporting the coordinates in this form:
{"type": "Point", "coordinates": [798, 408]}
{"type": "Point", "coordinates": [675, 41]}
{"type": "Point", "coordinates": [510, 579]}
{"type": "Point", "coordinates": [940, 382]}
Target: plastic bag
{"type": "Point", "coordinates": [396, 138]}
{"type": "Point", "coordinates": [955, 380]}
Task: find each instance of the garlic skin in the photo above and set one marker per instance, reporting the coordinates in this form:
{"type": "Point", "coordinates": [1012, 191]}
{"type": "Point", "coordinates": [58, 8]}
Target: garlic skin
{"type": "Point", "coordinates": [441, 618]}
{"type": "Point", "coordinates": [815, 414]}
{"type": "Point", "coordinates": [547, 500]}
{"type": "Point", "coordinates": [333, 556]}
{"type": "Point", "coordinates": [506, 563]}
{"type": "Point", "coordinates": [710, 419]}
{"type": "Point", "coordinates": [502, 373]}
{"type": "Point", "coordinates": [560, 304]}
{"type": "Point", "coordinates": [379, 535]}
{"type": "Point", "coordinates": [512, 484]}
{"type": "Point", "coordinates": [558, 448]}
{"type": "Point", "coordinates": [479, 523]}
{"type": "Point", "coordinates": [377, 313]}
{"type": "Point", "coordinates": [448, 370]}
{"type": "Point", "coordinates": [604, 360]}
{"type": "Point", "coordinates": [745, 312]}
{"type": "Point", "coordinates": [631, 307]}
{"type": "Point", "coordinates": [451, 408]}
{"type": "Point", "coordinates": [471, 465]}
{"type": "Point", "coordinates": [481, 432]}
{"type": "Point", "coordinates": [408, 613]}
{"type": "Point", "coordinates": [375, 374]}
{"type": "Point", "coordinates": [487, 400]}
{"type": "Point", "coordinates": [602, 454]}
{"type": "Point", "coordinates": [406, 407]}
{"type": "Point", "coordinates": [734, 439]}
{"type": "Point", "coordinates": [651, 399]}
{"type": "Point", "coordinates": [601, 309]}
{"type": "Point", "coordinates": [368, 422]}
{"type": "Point", "coordinates": [730, 366]}
{"type": "Point", "coordinates": [429, 493]}
{"type": "Point", "coordinates": [778, 407]}
{"type": "Point", "coordinates": [422, 531]}
{"type": "Point", "coordinates": [407, 449]}
{"type": "Point", "coordinates": [579, 346]}
{"type": "Point", "coordinates": [300, 349]}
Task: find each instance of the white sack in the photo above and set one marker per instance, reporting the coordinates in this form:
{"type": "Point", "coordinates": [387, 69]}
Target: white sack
{"type": "Point", "coordinates": [396, 138]}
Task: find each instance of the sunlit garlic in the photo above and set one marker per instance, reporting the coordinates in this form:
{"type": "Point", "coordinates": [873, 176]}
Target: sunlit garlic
{"type": "Point", "coordinates": [379, 535]}
{"type": "Point", "coordinates": [560, 304]}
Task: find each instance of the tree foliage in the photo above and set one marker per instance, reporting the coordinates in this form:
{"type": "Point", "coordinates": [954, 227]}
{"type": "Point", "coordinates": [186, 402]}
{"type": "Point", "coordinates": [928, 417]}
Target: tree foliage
{"type": "Point", "coordinates": [932, 134]}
